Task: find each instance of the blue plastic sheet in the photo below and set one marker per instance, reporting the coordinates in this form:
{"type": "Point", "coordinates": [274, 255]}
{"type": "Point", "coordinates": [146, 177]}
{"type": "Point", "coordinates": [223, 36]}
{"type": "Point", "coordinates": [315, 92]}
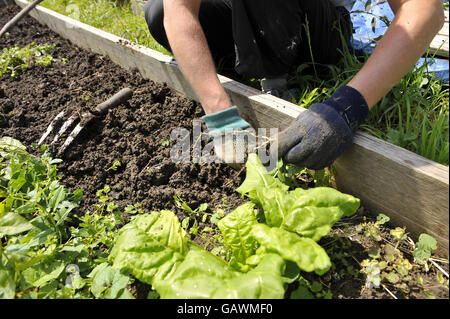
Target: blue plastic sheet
{"type": "Point", "coordinates": [370, 25]}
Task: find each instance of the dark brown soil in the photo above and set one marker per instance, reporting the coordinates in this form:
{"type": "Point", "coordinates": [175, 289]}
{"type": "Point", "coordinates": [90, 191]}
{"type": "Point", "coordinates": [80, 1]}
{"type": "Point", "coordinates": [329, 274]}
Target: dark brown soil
{"type": "Point", "coordinates": [135, 134]}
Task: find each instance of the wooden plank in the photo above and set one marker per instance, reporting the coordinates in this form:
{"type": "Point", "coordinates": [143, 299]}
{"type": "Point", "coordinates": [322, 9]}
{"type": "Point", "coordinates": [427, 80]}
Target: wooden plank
{"type": "Point", "coordinates": [445, 30]}
{"type": "Point", "coordinates": [440, 46]}
{"type": "Point", "coordinates": [412, 190]}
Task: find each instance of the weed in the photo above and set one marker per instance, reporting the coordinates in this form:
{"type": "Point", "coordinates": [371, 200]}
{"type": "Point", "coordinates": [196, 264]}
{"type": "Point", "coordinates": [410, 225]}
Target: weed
{"type": "Point", "coordinates": [372, 229]}
{"type": "Point", "coordinates": [114, 166]}
{"type": "Point", "coordinates": [40, 255]}
{"type": "Point", "coordinates": [424, 246]}
{"type": "Point", "coordinates": [15, 60]}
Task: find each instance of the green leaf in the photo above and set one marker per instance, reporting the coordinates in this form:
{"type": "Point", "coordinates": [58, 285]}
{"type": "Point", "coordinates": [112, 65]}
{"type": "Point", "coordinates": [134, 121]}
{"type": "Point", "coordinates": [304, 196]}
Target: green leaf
{"type": "Point", "coordinates": [57, 196]}
{"type": "Point", "coordinates": [305, 252]}
{"type": "Point", "coordinates": [150, 245]}
{"type": "Point", "coordinates": [203, 275]}
{"type": "Point", "coordinates": [9, 145]}
{"type": "Point", "coordinates": [423, 249]}
{"type": "Point", "coordinates": [12, 224]}
{"type": "Point", "coordinates": [43, 272]}
{"type": "Point", "coordinates": [153, 248]}
{"type": "Point", "coordinates": [398, 233]}
{"type": "Point", "coordinates": [393, 278]}
{"type": "Point", "coordinates": [382, 219]}
{"type": "Point", "coordinates": [235, 228]}
{"type": "Point", "coordinates": [310, 213]}
{"type": "Point", "coordinates": [257, 176]}
{"type": "Point", "coordinates": [427, 242]}
{"type": "Point", "coordinates": [403, 267]}
{"type": "Point", "coordinates": [302, 292]}
{"type": "Point", "coordinates": [108, 282]}
{"type": "Point", "coordinates": [316, 286]}
{"type": "Point", "coordinates": [7, 284]}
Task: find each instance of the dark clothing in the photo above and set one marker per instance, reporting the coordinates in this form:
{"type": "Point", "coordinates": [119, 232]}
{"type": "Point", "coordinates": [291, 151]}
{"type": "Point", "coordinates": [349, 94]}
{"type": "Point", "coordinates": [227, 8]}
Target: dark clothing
{"type": "Point", "coordinates": [265, 38]}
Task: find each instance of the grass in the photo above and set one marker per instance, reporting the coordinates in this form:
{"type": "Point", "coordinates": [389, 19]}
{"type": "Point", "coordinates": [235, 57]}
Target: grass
{"type": "Point", "coordinates": [413, 115]}
{"type": "Point", "coordinates": [108, 16]}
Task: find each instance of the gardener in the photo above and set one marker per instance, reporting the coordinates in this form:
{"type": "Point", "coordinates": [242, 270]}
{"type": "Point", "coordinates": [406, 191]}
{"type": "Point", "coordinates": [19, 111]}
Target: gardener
{"type": "Point", "coordinates": [265, 39]}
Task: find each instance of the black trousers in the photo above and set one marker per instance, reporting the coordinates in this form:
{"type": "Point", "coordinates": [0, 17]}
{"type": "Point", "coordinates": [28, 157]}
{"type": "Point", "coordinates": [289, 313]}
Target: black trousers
{"type": "Point", "coordinates": [265, 38]}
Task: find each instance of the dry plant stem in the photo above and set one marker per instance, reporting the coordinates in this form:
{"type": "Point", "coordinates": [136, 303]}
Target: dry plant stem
{"type": "Point", "coordinates": [388, 291]}
{"type": "Point", "coordinates": [439, 267]}
{"type": "Point", "coordinates": [439, 260]}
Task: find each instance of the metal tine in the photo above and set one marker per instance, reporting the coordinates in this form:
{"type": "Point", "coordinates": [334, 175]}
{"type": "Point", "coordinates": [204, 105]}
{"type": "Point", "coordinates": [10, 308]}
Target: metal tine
{"type": "Point", "coordinates": [64, 128]}
{"type": "Point", "coordinates": [50, 127]}
{"type": "Point", "coordinates": [101, 109]}
{"type": "Point", "coordinates": [71, 137]}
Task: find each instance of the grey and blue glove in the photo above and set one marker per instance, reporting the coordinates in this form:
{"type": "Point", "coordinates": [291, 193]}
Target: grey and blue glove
{"type": "Point", "coordinates": [228, 130]}
{"type": "Point", "coordinates": [322, 133]}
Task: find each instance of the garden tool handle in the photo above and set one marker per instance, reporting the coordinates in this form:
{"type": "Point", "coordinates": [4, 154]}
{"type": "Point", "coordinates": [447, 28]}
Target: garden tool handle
{"type": "Point", "coordinates": [118, 98]}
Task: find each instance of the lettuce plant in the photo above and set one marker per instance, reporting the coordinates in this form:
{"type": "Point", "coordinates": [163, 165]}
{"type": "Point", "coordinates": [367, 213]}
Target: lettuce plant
{"type": "Point", "coordinates": [277, 226]}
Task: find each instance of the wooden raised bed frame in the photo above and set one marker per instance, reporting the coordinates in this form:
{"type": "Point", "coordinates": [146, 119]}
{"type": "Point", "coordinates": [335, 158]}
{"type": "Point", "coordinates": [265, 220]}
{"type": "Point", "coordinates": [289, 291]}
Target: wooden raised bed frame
{"type": "Point", "coordinates": [412, 190]}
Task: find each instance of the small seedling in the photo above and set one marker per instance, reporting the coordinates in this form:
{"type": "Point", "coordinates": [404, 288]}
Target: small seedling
{"type": "Point", "coordinates": [85, 96]}
{"type": "Point", "coordinates": [165, 143]}
{"type": "Point", "coordinates": [399, 235]}
{"type": "Point", "coordinates": [15, 60]}
{"type": "Point", "coordinates": [372, 229]}
{"type": "Point", "coordinates": [114, 166]}
{"type": "Point", "coordinates": [424, 246]}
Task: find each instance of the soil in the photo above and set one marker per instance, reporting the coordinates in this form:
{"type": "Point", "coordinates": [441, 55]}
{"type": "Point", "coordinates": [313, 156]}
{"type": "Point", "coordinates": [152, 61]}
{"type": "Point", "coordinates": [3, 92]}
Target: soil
{"type": "Point", "coordinates": [133, 133]}
{"type": "Point", "coordinates": [136, 134]}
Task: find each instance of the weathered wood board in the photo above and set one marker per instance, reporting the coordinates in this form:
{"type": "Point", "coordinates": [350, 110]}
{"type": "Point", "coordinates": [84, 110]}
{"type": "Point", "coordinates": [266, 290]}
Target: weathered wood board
{"type": "Point", "coordinates": [412, 190]}
{"type": "Point", "coordinates": [440, 44]}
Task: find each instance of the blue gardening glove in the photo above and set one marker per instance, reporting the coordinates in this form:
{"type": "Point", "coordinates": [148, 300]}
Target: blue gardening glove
{"type": "Point", "coordinates": [318, 136]}
{"type": "Point", "coordinates": [228, 130]}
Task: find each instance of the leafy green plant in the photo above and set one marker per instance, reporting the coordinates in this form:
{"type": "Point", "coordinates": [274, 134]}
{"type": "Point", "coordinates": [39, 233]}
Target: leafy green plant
{"type": "Point", "coordinates": [40, 255]}
{"type": "Point", "coordinates": [115, 165]}
{"type": "Point", "coordinates": [413, 115]}
{"type": "Point", "coordinates": [193, 214]}
{"type": "Point", "coordinates": [15, 60]}
{"type": "Point", "coordinates": [424, 247]}
{"type": "Point", "coordinates": [165, 142]}
{"type": "Point", "coordinates": [372, 229]}
{"type": "Point", "coordinates": [389, 265]}
{"type": "Point", "coordinates": [277, 227]}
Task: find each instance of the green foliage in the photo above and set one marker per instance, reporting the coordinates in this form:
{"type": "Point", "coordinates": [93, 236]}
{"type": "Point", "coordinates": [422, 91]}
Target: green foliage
{"type": "Point", "coordinates": [15, 60]}
{"type": "Point", "coordinates": [278, 227]}
{"type": "Point", "coordinates": [372, 229]}
{"type": "Point", "coordinates": [413, 115]}
{"type": "Point", "coordinates": [114, 166]}
{"type": "Point", "coordinates": [108, 16]}
{"type": "Point", "coordinates": [387, 265]}
{"type": "Point", "coordinates": [40, 255]}
{"type": "Point", "coordinates": [424, 246]}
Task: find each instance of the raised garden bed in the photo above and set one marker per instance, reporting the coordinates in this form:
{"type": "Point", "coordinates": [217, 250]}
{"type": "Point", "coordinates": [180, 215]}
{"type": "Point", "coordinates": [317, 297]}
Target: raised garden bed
{"type": "Point", "coordinates": [135, 133]}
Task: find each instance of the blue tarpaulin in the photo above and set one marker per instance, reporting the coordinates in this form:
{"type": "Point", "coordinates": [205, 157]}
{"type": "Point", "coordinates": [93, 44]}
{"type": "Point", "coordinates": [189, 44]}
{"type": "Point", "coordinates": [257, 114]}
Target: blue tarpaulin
{"type": "Point", "coordinates": [370, 25]}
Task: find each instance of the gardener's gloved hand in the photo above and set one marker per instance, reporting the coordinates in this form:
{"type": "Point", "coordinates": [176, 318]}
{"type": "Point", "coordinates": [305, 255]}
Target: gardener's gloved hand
{"type": "Point", "coordinates": [229, 130]}
{"type": "Point", "coordinates": [323, 132]}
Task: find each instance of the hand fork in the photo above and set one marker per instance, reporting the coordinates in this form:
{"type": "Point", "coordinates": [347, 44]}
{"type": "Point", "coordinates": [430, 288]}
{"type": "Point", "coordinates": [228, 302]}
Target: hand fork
{"type": "Point", "coordinates": [101, 109]}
